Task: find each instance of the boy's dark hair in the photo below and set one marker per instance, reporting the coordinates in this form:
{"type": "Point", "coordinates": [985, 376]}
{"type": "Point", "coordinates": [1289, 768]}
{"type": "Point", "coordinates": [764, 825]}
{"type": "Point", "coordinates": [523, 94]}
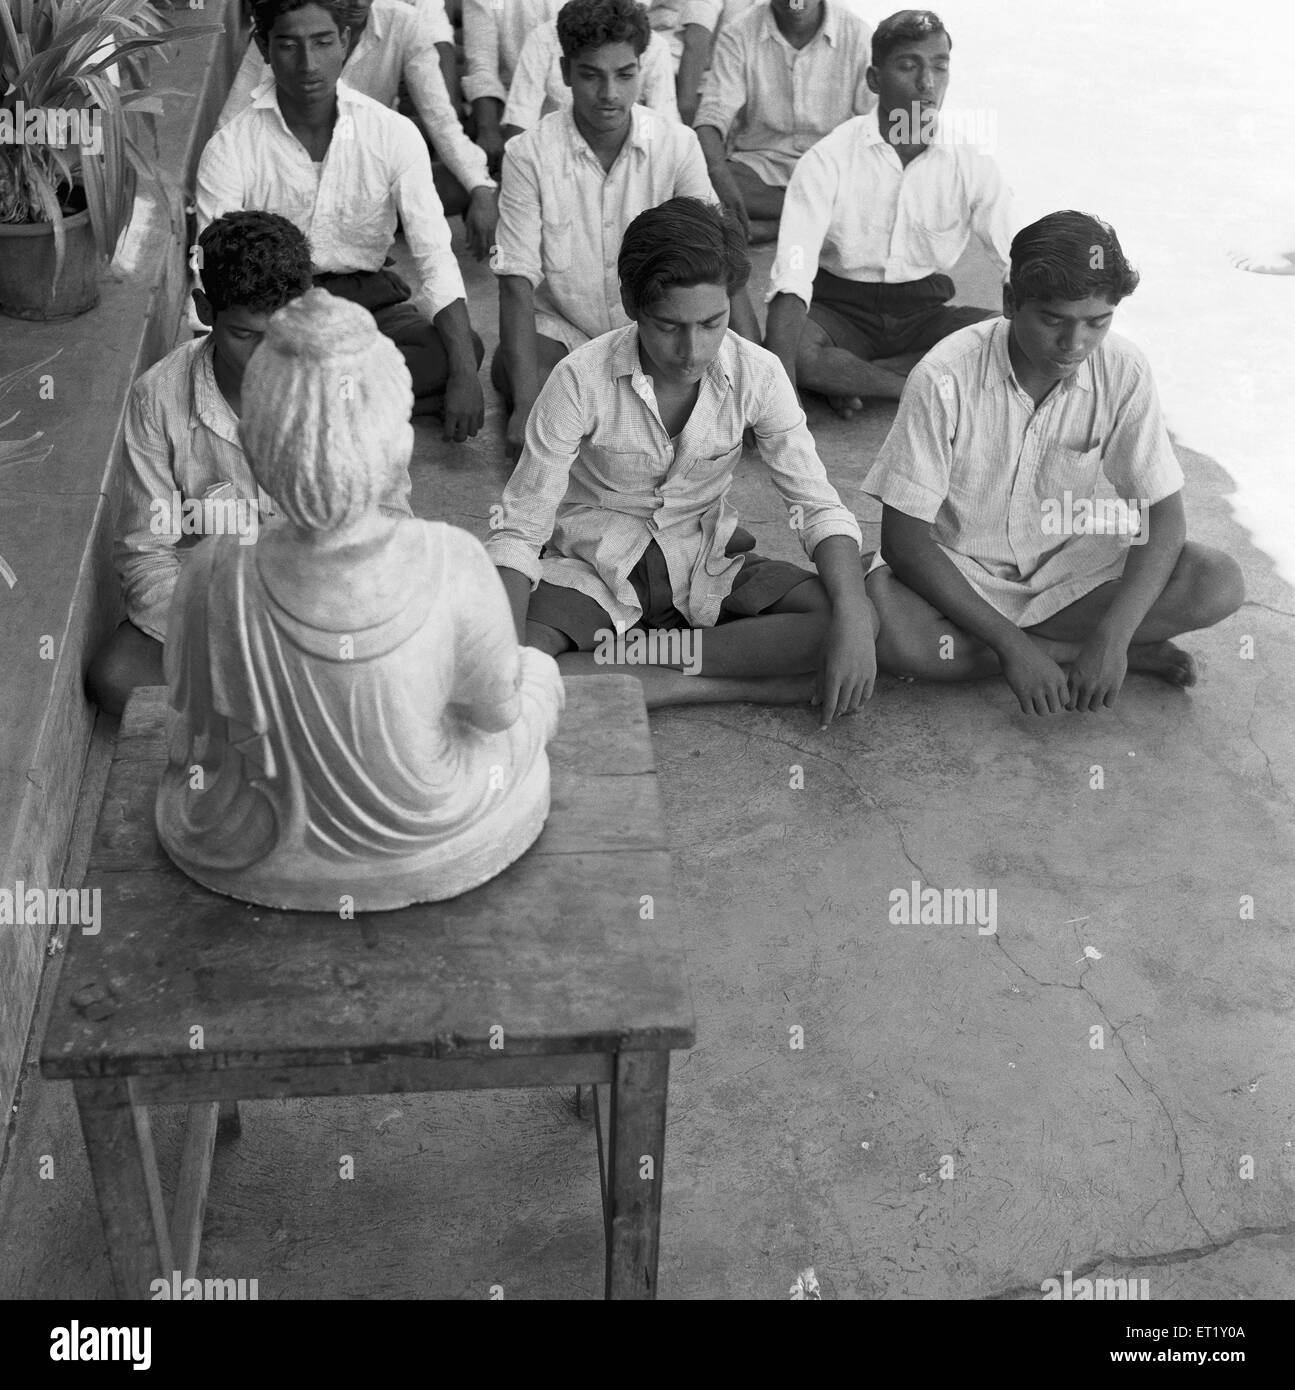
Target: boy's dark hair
{"type": "Point", "coordinates": [265, 12]}
{"type": "Point", "coordinates": [683, 241]}
{"type": "Point", "coordinates": [905, 26]}
{"type": "Point", "coordinates": [1070, 255]}
{"type": "Point", "coordinates": [253, 260]}
{"type": "Point", "coordinates": [586, 24]}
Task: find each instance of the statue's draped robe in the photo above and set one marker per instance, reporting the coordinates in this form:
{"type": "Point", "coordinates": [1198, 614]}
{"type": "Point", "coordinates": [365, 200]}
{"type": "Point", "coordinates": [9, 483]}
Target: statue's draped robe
{"type": "Point", "coordinates": [323, 769]}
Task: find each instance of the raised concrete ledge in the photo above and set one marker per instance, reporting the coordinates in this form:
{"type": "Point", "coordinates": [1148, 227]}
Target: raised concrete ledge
{"type": "Point", "coordinates": [56, 516]}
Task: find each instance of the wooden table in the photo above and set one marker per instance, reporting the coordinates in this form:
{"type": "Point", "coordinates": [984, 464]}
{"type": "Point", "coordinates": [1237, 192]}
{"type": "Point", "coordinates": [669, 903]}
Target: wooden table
{"type": "Point", "coordinates": [565, 970]}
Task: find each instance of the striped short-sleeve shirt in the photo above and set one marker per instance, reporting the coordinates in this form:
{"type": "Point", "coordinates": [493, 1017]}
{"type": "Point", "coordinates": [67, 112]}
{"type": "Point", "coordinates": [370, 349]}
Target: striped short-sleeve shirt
{"type": "Point", "coordinates": [1035, 506]}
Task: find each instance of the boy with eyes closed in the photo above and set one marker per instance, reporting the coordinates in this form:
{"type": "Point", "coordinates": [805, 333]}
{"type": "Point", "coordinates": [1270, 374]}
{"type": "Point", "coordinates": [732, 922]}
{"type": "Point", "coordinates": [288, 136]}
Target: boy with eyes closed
{"type": "Point", "coordinates": [570, 187]}
{"type": "Point", "coordinates": [616, 520]}
{"type": "Point", "coordinates": [1032, 510]}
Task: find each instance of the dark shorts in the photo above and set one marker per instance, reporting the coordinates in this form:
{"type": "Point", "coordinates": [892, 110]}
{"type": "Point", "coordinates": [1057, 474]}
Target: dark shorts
{"type": "Point", "coordinates": [386, 296]}
{"type": "Point", "coordinates": [875, 320]}
{"type": "Point", "coordinates": [760, 583]}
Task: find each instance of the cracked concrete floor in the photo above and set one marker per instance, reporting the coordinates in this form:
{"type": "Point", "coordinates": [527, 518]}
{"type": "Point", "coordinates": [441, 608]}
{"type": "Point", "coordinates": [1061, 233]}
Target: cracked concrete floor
{"type": "Point", "coordinates": [926, 1049]}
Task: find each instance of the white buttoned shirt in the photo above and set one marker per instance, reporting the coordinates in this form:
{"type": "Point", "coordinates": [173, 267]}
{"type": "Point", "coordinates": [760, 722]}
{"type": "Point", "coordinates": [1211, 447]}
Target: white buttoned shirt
{"type": "Point", "coordinates": [552, 181]}
{"type": "Point", "coordinates": [376, 168]}
{"type": "Point", "coordinates": [853, 209]}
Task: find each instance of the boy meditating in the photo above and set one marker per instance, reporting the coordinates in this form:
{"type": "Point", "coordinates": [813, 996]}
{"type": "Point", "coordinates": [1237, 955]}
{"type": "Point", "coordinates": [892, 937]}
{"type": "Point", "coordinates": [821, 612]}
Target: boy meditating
{"type": "Point", "coordinates": [882, 209]}
{"type": "Point", "coordinates": [783, 75]}
{"type": "Point", "coordinates": [580, 177]}
{"type": "Point", "coordinates": [1032, 517]}
{"type": "Point", "coordinates": [629, 455]}
{"type": "Point", "coordinates": [184, 460]}
{"type": "Point", "coordinates": [343, 167]}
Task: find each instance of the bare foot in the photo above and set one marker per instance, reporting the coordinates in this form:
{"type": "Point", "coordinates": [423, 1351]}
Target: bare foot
{"type": "Point", "coordinates": [845, 406]}
{"type": "Point", "coordinates": [1265, 262]}
{"type": "Point", "coordinates": [1165, 660]}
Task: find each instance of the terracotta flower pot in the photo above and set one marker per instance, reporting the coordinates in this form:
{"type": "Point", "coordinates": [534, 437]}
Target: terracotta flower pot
{"type": "Point", "coordinates": [27, 289]}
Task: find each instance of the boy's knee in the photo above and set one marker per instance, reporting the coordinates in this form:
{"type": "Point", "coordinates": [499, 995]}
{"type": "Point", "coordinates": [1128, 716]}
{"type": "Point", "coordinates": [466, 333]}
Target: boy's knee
{"type": "Point", "coordinates": [547, 639]}
{"type": "Point", "coordinates": [1218, 587]}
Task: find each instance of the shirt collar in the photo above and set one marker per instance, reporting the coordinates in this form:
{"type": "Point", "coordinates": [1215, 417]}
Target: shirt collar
{"type": "Point", "coordinates": [264, 97]}
{"type": "Point", "coordinates": [639, 137]}
{"type": "Point", "coordinates": [998, 363]}
{"type": "Point", "coordinates": [826, 30]}
{"type": "Point", "coordinates": [209, 405]}
{"type": "Point", "coordinates": [624, 359]}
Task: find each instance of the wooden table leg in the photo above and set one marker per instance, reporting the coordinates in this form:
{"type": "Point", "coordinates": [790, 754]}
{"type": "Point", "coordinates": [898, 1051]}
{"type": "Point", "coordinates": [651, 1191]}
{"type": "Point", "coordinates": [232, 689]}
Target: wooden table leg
{"type": "Point", "coordinates": [119, 1144]}
{"type": "Point", "coordinates": [636, 1150]}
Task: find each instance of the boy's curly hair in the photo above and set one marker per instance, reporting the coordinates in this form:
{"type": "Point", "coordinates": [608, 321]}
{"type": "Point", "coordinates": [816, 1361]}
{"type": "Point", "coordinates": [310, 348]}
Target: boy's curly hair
{"type": "Point", "coordinates": [586, 24]}
{"type": "Point", "coordinates": [253, 260]}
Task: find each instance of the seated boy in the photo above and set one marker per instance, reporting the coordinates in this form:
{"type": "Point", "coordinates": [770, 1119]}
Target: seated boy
{"type": "Point", "coordinates": [393, 42]}
{"type": "Point", "coordinates": [182, 442]}
{"type": "Point", "coordinates": [882, 208]}
{"type": "Point", "coordinates": [345, 194]}
{"type": "Point", "coordinates": [783, 75]}
{"type": "Point", "coordinates": [493, 35]}
{"type": "Point", "coordinates": [630, 452]}
{"type": "Point", "coordinates": [581, 177]}
{"type": "Point", "coordinates": [539, 87]}
{"type": "Point", "coordinates": [1025, 454]}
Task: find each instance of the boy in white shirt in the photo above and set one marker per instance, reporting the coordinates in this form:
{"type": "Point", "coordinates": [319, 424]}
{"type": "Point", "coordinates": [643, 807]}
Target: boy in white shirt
{"type": "Point", "coordinates": [882, 209]}
{"type": "Point", "coordinates": [581, 176]}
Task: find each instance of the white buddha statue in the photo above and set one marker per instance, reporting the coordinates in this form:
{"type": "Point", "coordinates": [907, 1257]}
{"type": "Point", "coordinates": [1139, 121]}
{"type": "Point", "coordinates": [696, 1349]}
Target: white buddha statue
{"type": "Point", "coordinates": [354, 725]}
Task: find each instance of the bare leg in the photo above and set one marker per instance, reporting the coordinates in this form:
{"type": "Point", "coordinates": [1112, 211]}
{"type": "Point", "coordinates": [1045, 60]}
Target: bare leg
{"type": "Point", "coordinates": [763, 202]}
{"type": "Point", "coordinates": [846, 380]}
{"type": "Point", "coordinates": [917, 640]}
{"type": "Point", "coordinates": [771, 659]}
{"type": "Point", "coordinates": [549, 352]}
{"type": "Point", "coordinates": [1205, 587]}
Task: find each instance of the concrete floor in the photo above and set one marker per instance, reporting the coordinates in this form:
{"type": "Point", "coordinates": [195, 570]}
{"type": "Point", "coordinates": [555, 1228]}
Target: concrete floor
{"type": "Point", "coordinates": [926, 1049]}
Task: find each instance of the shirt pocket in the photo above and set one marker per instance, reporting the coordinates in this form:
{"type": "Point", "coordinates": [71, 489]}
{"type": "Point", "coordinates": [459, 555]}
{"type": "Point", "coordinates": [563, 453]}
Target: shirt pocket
{"type": "Point", "coordinates": [623, 474]}
{"type": "Point", "coordinates": [556, 245]}
{"type": "Point", "coordinates": [939, 242]}
{"type": "Point", "coordinates": [1077, 471]}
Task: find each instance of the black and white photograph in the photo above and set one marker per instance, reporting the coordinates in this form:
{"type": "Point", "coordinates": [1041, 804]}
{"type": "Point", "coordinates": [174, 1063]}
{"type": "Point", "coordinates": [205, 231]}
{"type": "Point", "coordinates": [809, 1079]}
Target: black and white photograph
{"type": "Point", "coordinates": [646, 654]}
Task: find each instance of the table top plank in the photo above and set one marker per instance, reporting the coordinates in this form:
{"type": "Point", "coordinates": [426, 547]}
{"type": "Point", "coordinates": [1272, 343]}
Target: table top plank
{"type": "Point", "coordinates": [559, 951]}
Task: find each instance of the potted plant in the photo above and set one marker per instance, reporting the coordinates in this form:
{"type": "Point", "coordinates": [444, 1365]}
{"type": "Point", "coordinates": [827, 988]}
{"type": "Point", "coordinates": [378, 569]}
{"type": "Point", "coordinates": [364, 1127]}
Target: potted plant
{"type": "Point", "coordinates": [74, 83]}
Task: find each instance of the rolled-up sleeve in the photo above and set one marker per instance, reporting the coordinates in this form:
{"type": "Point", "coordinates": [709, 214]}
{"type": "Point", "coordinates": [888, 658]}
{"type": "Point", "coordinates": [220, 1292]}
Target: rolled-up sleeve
{"type": "Point", "coordinates": [517, 245]}
{"type": "Point", "coordinates": [991, 212]}
{"type": "Point", "coordinates": [426, 84]}
{"type": "Point", "coordinates": [432, 13]}
{"type": "Point", "coordinates": [707, 13]}
{"type": "Point", "coordinates": [145, 557]}
{"type": "Point", "coordinates": [554, 432]}
{"type": "Point", "coordinates": [693, 178]}
{"type": "Point", "coordinates": [481, 51]}
{"type": "Point", "coordinates": [806, 216]}
{"type": "Point", "coordinates": [789, 453]}
{"type": "Point", "coordinates": [912, 470]}
{"type": "Point", "coordinates": [426, 230]}
{"type": "Point", "coordinates": [723, 93]}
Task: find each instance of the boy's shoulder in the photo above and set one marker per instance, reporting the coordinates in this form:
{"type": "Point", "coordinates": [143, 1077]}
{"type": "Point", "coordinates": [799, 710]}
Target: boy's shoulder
{"type": "Point", "coordinates": [962, 350]}
{"type": "Point", "coordinates": [167, 386]}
